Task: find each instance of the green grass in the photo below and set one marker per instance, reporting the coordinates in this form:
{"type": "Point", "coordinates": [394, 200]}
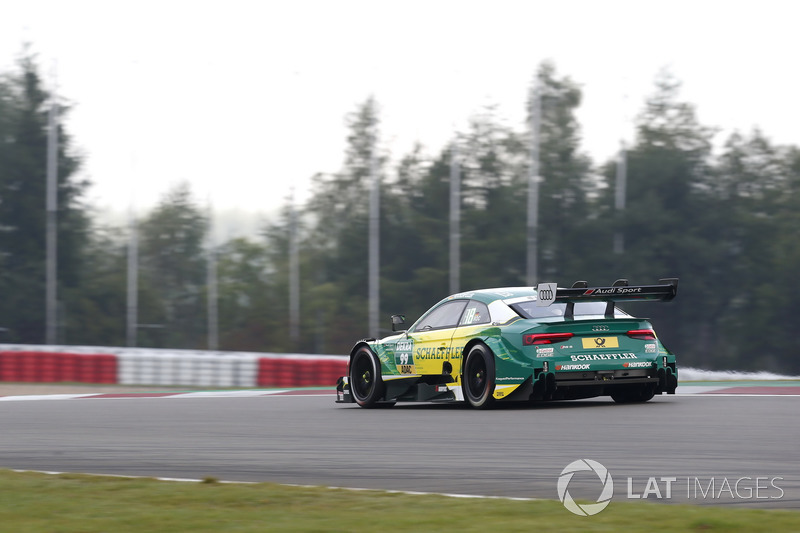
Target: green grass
{"type": "Point", "coordinates": [32, 502]}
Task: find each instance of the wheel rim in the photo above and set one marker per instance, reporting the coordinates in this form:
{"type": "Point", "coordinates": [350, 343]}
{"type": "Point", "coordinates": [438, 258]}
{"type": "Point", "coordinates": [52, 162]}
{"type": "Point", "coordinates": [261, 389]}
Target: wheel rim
{"type": "Point", "coordinates": [476, 377]}
{"type": "Point", "coordinates": [363, 378]}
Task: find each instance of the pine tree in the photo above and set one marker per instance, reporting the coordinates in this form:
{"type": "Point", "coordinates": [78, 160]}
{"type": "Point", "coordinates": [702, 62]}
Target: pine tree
{"type": "Point", "coordinates": [24, 104]}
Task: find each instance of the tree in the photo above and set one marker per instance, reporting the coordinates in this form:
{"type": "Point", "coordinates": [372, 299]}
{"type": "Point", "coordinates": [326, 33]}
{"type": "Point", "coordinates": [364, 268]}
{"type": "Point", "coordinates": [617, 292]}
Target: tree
{"type": "Point", "coordinates": [337, 239]}
{"type": "Point", "coordinates": [24, 103]}
{"type": "Point", "coordinates": [252, 314]}
{"type": "Point", "coordinates": [173, 269]}
{"type": "Point", "coordinates": [666, 218]}
{"type": "Point", "coordinates": [758, 192]}
{"type": "Point", "coordinates": [96, 305]}
{"type": "Point", "coordinates": [493, 204]}
{"type": "Point", "coordinates": [567, 181]}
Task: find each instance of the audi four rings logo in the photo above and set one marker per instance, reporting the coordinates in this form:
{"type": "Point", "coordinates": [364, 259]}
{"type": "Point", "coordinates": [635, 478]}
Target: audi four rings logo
{"type": "Point", "coordinates": [585, 465]}
{"type": "Point", "coordinates": [600, 328]}
{"type": "Point", "coordinates": [546, 293]}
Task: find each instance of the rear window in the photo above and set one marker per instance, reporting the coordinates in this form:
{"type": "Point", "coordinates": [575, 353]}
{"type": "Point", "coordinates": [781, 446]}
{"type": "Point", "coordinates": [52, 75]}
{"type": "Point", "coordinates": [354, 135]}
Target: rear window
{"type": "Point", "coordinates": [529, 309]}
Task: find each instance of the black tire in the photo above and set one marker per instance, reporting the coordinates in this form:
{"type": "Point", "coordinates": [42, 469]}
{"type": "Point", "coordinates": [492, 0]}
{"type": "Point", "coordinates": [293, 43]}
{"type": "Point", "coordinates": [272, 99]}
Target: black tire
{"type": "Point", "coordinates": [647, 393]}
{"type": "Point", "coordinates": [631, 394]}
{"type": "Point", "coordinates": [366, 384]}
{"type": "Point", "coordinates": [622, 396]}
{"type": "Point", "coordinates": [478, 377]}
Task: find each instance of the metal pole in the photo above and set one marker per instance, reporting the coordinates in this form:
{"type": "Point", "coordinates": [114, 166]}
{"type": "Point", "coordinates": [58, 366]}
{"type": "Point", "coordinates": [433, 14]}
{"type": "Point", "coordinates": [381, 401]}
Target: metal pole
{"type": "Point", "coordinates": [133, 281]}
{"type": "Point", "coordinates": [211, 282]}
{"type": "Point", "coordinates": [533, 187]}
{"type": "Point", "coordinates": [619, 200]}
{"type": "Point", "coordinates": [294, 276]}
{"type": "Point", "coordinates": [52, 209]}
{"type": "Point", "coordinates": [374, 232]}
{"type": "Point", "coordinates": [455, 219]}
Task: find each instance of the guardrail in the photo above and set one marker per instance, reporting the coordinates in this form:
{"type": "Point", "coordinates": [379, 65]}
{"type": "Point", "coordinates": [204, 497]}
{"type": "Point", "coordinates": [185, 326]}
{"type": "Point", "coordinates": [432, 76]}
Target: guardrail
{"type": "Point", "coordinates": [134, 366]}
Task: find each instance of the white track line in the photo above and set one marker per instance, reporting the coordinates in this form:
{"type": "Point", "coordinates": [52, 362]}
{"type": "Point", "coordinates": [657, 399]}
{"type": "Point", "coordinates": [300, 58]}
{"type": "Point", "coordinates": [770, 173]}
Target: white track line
{"type": "Point", "coordinates": [354, 489]}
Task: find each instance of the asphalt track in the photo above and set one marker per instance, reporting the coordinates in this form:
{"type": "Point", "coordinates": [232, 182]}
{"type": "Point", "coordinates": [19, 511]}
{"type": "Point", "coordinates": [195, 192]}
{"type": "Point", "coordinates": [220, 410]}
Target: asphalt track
{"type": "Point", "coordinates": [707, 443]}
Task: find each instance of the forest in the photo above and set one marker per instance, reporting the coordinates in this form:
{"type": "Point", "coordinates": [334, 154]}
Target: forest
{"type": "Point", "coordinates": [724, 218]}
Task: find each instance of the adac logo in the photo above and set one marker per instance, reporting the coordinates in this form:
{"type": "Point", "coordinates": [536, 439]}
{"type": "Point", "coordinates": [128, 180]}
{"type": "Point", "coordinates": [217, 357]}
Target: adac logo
{"type": "Point", "coordinates": [585, 465]}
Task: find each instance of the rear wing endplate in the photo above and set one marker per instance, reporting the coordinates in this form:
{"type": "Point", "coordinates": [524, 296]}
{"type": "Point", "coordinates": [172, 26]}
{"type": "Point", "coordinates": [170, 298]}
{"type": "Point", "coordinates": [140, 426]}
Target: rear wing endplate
{"type": "Point", "coordinates": [620, 291]}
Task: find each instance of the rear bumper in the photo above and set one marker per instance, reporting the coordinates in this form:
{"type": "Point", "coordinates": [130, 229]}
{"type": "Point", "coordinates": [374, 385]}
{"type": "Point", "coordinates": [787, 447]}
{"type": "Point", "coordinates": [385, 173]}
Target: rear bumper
{"type": "Point", "coordinates": [585, 383]}
{"type": "Point", "coordinates": [593, 377]}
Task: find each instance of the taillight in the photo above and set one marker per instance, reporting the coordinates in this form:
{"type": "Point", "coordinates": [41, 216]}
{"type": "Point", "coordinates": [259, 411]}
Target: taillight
{"type": "Point", "coordinates": [642, 334]}
{"type": "Point", "coordinates": [544, 338]}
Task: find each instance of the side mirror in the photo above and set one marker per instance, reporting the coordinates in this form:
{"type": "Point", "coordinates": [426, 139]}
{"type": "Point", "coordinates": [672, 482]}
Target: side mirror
{"type": "Point", "coordinates": [398, 320]}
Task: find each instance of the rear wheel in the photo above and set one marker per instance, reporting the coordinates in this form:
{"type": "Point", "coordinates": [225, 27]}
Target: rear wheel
{"type": "Point", "coordinates": [477, 377]}
{"type": "Point", "coordinates": [366, 385]}
{"type": "Point", "coordinates": [634, 394]}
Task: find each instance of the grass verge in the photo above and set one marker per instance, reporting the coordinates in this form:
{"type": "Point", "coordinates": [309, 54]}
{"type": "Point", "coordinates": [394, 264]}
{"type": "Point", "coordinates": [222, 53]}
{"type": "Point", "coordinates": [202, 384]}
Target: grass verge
{"type": "Point", "coordinates": [33, 502]}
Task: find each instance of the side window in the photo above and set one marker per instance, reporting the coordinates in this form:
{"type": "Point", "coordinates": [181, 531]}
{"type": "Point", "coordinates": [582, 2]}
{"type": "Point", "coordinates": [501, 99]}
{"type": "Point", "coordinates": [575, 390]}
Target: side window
{"type": "Point", "coordinates": [475, 313]}
{"type": "Point", "coordinates": [444, 316]}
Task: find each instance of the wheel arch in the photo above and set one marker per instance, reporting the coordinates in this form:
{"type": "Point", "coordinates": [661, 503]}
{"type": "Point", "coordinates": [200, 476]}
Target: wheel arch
{"type": "Point", "coordinates": [467, 348]}
{"type": "Point", "coordinates": [363, 343]}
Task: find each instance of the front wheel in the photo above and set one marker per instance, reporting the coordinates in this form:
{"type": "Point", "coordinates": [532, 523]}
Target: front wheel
{"type": "Point", "coordinates": [366, 385]}
{"type": "Point", "coordinates": [477, 377]}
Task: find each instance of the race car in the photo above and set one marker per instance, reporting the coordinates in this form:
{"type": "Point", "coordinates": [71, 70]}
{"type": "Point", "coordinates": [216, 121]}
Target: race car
{"type": "Point", "coordinates": [518, 344]}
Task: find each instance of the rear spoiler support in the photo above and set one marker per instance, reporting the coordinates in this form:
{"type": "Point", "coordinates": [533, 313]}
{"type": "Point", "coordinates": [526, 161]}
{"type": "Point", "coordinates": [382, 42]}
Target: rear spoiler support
{"type": "Point", "coordinates": [620, 291]}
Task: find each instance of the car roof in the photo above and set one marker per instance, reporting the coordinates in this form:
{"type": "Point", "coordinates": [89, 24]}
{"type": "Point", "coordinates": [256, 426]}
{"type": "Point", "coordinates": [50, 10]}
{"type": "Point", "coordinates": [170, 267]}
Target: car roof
{"type": "Point", "coordinates": [488, 296]}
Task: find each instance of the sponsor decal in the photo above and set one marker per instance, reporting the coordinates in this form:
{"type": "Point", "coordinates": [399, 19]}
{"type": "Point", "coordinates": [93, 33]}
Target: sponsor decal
{"type": "Point", "coordinates": [404, 357]}
{"type": "Point", "coordinates": [509, 379]}
{"type": "Point", "coordinates": [603, 356]}
{"type": "Point", "coordinates": [650, 348]}
{"type": "Point", "coordinates": [461, 296]}
{"type": "Point", "coordinates": [573, 367]}
{"type": "Point", "coordinates": [612, 291]}
{"type": "Point", "coordinates": [438, 352]}
{"type": "Point", "coordinates": [544, 352]}
{"type": "Point", "coordinates": [505, 294]}
{"type": "Point", "coordinates": [600, 342]}
{"type": "Point", "coordinates": [638, 364]}
{"type": "Point", "coordinates": [565, 347]}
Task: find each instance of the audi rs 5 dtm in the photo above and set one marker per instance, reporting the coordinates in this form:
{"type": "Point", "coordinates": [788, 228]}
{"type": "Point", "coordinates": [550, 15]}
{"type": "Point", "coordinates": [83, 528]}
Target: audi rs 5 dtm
{"type": "Point", "coordinates": [518, 344]}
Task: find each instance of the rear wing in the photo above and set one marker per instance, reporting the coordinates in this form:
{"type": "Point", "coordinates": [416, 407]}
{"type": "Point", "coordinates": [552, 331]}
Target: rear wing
{"type": "Point", "coordinates": [620, 291]}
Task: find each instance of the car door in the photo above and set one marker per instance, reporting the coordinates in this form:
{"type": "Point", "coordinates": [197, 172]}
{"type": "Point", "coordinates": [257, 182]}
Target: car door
{"type": "Point", "coordinates": [431, 337]}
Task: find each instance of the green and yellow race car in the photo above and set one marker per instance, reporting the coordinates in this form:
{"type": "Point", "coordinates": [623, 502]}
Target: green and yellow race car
{"type": "Point", "coordinates": [518, 344]}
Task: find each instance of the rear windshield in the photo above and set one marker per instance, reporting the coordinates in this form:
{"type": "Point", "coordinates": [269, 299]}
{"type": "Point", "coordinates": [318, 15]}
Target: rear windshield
{"type": "Point", "coordinates": [529, 309]}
